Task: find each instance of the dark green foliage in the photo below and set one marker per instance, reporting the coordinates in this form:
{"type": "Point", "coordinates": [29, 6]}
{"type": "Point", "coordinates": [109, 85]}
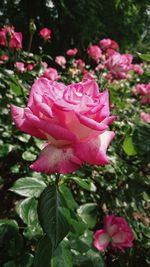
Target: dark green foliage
{"type": "Point", "coordinates": [77, 23]}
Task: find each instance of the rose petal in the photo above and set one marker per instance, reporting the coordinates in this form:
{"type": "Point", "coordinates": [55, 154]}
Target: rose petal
{"type": "Point", "coordinates": [101, 240]}
{"type": "Point", "coordinates": [56, 160]}
{"type": "Point", "coordinates": [18, 115]}
{"type": "Point", "coordinates": [94, 151]}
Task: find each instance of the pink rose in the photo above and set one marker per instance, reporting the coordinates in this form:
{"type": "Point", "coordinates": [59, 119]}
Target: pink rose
{"type": "Point", "coordinates": [119, 65]}
{"type": "Point", "coordinates": [51, 74]}
{"type": "Point", "coordinates": [73, 119]}
{"type": "Point", "coordinates": [144, 91]}
{"type": "Point", "coordinates": [72, 52]}
{"type": "Point", "coordinates": [110, 52]}
{"type": "Point", "coordinates": [30, 67]}
{"type": "Point", "coordinates": [3, 58]}
{"type": "Point", "coordinates": [141, 89]}
{"type": "Point", "coordinates": [20, 66]}
{"type": "Point", "coordinates": [80, 64]}
{"type": "Point", "coordinates": [145, 117]}
{"type": "Point", "coordinates": [94, 52]}
{"type": "Point", "coordinates": [116, 231]}
{"type": "Point", "coordinates": [108, 43]}
{"type": "Point", "coordinates": [61, 61]}
{"type": "Point", "coordinates": [10, 38]}
{"type": "Point", "coordinates": [45, 33]}
{"type": "Point", "coordinates": [137, 69]}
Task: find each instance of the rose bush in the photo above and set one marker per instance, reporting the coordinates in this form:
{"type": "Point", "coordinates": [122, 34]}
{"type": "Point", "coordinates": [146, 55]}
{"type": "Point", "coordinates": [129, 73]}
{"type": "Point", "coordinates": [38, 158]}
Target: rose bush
{"type": "Point", "coordinates": [53, 218]}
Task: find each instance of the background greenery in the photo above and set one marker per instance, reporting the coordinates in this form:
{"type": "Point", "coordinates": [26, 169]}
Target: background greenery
{"type": "Point", "coordinates": [77, 23]}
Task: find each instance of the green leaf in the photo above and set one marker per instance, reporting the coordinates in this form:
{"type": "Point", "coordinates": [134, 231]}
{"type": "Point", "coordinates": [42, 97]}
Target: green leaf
{"type": "Point", "coordinates": [84, 183]}
{"type": "Point", "coordinates": [26, 260]}
{"type": "Point", "coordinates": [128, 146]}
{"type": "Point", "coordinates": [62, 256]}
{"type": "Point", "coordinates": [95, 258]}
{"type": "Point", "coordinates": [88, 214]}
{"type": "Point", "coordinates": [5, 149]}
{"type": "Point", "coordinates": [83, 243]}
{"type": "Point", "coordinates": [11, 242]}
{"type": "Point", "coordinates": [12, 223]}
{"type": "Point", "coordinates": [28, 187]}
{"type": "Point", "coordinates": [27, 210]}
{"type": "Point", "coordinates": [141, 139]}
{"type": "Point", "coordinates": [51, 218]}
{"type": "Point", "coordinates": [90, 258]}
{"type": "Point", "coordinates": [10, 264]}
{"type": "Point", "coordinates": [66, 192]}
{"type": "Point", "coordinates": [146, 231]}
{"type": "Point", "coordinates": [145, 57]}
{"type": "Point", "coordinates": [29, 156]}
{"type": "Point", "coordinates": [43, 254]}
{"type": "Point", "coordinates": [15, 88]}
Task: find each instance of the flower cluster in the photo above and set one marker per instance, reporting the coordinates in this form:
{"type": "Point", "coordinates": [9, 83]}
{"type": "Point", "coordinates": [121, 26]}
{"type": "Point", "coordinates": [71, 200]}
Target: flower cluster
{"type": "Point", "coordinates": [22, 67]}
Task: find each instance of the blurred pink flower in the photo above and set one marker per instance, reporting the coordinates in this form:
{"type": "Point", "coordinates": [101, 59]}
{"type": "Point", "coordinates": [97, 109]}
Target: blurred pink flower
{"type": "Point", "coordinates": [73, 119]}
{"type": "Point", "coordinates": [30, 67]}
{"type": "Point", "coordinates": [61, 61]}
{"type": "Point", "coordinates": [145, 117]}
{"type": "Point", "coordinates": [72, 52]}
{"type": "Point", "coordinates": [45, 33]}
{"type": "Point", "coordinates": [44, 64]}
{"type": "Point", "coordinates": [110, 52]}
{"type": "Point", "coordinates": [119, 65]}
{"type": "Point", "coordinates": [10, 38]}
{"type": "Point", "coordinates": [95, 53]}
{"type": "Point", "coordinates": [20, 66]}
{"type": "Point", "coordinates": [137, 69]}
{"type": "Point", "coordinates": [51, 74]}
{"type": "Point", "coordinates": [108, 43]}
{"type": "Point", "coordinates": [144, 91]}
{"type": "Point", "coordinates": [80, 64]}
{"type": "Point", "coordinates": [141, 89]}
{"type": "Point", "coordinates": [116, 231]}
{"type": "Point", "coordinates": [3, 58]}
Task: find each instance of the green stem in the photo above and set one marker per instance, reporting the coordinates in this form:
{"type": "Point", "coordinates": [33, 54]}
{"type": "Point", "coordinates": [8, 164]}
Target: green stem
{"type": "Point", "coordinates": [57, 178]}
{"type": "Point", "coordinates": [30, 42]}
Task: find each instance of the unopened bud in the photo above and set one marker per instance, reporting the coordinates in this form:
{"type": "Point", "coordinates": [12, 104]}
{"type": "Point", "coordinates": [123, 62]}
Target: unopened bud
{"type": "Point", "coordinates": [32, 27]}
